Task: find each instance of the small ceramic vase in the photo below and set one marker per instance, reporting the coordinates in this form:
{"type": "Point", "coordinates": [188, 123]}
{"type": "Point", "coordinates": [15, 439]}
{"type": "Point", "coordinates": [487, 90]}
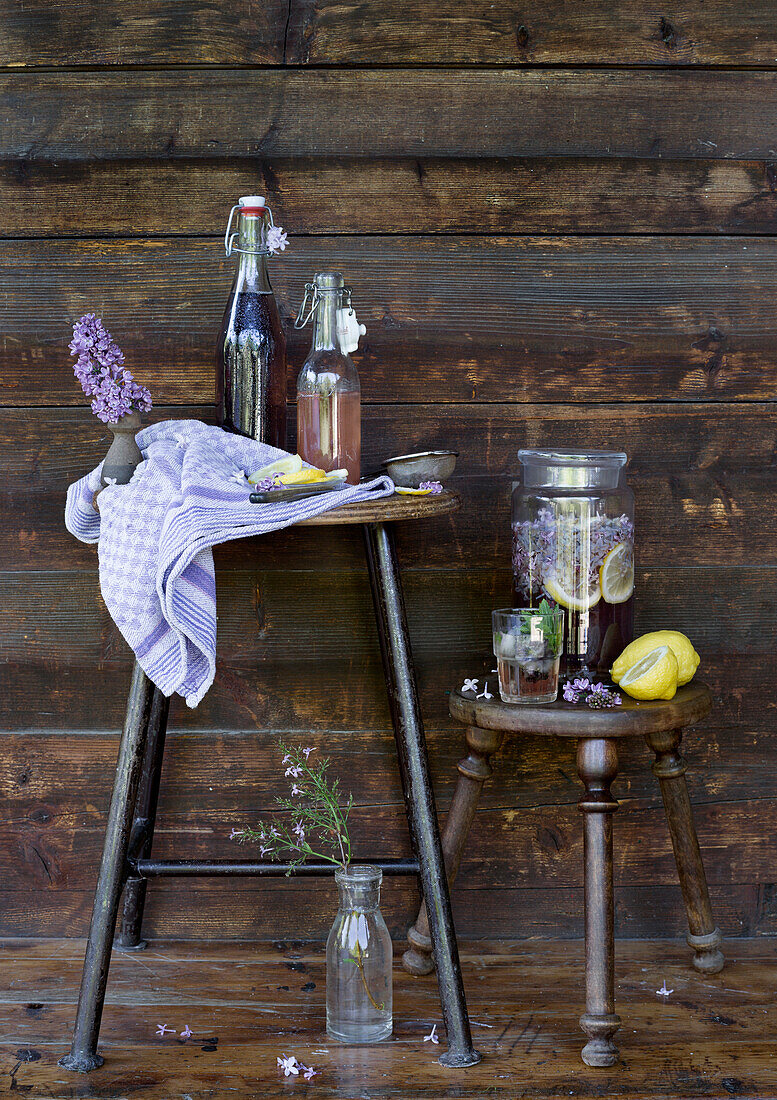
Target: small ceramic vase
{"type": "Point", "coordinates": [123, 454]}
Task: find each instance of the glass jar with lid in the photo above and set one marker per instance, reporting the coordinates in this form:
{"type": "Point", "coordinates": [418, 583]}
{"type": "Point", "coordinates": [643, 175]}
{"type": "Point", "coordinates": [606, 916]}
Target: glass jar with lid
{"type": "Point", "coordinates": [573, 543]}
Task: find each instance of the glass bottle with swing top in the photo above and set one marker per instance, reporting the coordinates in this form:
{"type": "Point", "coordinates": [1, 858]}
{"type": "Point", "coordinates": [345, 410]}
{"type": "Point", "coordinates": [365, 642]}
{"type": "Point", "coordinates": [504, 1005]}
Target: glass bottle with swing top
{"type": "Point", "coordinates": [251, 349]}
{"type": "Point", "coordinates": [328, 390]}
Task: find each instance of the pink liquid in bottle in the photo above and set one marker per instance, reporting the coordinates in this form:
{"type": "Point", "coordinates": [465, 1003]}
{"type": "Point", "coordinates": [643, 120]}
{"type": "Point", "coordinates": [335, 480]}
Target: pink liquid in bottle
{"type": "Point", "coordinates": [329, 431]}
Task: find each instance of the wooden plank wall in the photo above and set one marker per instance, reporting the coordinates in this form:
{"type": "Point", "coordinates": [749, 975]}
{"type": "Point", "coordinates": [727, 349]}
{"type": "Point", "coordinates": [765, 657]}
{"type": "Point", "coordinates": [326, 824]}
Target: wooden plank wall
{"type": "Point", "coordinates": [560, 223]}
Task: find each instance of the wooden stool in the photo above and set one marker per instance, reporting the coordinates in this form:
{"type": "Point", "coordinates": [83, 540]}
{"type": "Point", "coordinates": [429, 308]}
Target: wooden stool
{"type": "Point", "coordinates": [597, 733]}
{"type": "Point", "coordinates": [126, 858]}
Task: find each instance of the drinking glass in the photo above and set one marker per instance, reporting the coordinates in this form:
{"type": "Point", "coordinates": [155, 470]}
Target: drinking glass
{"type": "Point", "coordinates": [527, 647]}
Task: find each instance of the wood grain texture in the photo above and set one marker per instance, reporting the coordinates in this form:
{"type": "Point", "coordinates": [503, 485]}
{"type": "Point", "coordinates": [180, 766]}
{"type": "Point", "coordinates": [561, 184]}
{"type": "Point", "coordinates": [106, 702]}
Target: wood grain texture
{"type": "Point", "coordinates": [455, 319]}
{"type": "Point", "coordinates": [376, 33]}
{"type": "Point", "coordinates": [553, 33]}
{"type": "Point", "coordinates": [705, 472]}
{"type": "Point", "coordinates": [145, 32]}
{"type": "Point", "coordinates": [690, 705]}
{"type": "Point", "coordinates": [712, 1040]}
{"type": "Point", "coordinates": [347, 195]}
{"type": "Point", "coordinates": [191, 113]}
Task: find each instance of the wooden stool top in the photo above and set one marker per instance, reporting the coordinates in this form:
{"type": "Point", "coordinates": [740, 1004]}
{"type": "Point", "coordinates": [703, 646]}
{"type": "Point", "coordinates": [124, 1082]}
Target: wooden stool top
{"type": "Point", "coordinates": [388, 510]}
{"type": "Point", "coordinates": [691, 703]}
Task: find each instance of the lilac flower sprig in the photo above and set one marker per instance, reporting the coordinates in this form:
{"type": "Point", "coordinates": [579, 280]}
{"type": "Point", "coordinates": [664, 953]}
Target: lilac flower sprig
{"type": "Point", "coordinates": [596, 695]}
{"type": "Point", "coordinates": [103, 377]}
{"type": "Point", "coordinates": [277, 239]}
{"type": "Point", "coordinates": [268, 483]}
{"type": "Point", "coordinates": [433, 487]}
{"type": "Point", "coordinates": [316, 814]}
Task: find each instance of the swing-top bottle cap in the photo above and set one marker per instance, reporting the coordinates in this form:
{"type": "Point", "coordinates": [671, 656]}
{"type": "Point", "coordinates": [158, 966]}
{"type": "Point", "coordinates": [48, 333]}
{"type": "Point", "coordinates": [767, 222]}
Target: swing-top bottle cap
{"type": "Point", "coordinates": [251, 204]}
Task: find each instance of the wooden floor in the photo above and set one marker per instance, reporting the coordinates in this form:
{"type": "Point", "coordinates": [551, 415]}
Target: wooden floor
{"type": "Point", "coordinates": [245, 1004]}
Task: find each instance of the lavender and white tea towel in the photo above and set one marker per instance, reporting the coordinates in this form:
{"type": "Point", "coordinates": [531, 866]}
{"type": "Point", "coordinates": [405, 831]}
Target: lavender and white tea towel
{"type": "Point", "coordinates": [155, 536]}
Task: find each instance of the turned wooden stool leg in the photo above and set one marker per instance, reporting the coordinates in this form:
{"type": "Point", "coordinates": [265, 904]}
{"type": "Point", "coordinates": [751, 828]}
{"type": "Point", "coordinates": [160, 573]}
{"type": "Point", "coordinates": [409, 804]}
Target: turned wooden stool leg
{"type": "Point", "coordinates": [669, 768]}
{"type": "Point", "coordinates": [474, 770]}
{"type": "Point", "coordinates": [597, 765]}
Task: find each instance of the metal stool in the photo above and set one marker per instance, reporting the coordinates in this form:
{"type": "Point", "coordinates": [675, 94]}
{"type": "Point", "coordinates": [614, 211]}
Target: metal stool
{"type": "Point", "coordinates": [597, 733]}
{"type": "Point", "coordinates": [126, 858]}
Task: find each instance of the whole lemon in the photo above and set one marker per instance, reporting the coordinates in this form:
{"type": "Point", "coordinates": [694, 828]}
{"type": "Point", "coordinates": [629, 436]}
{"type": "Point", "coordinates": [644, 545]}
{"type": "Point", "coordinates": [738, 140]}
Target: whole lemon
{"type": "Point", "coordinates": [653, 676]}
{"type": "Point", "coordinates": [687, 657]}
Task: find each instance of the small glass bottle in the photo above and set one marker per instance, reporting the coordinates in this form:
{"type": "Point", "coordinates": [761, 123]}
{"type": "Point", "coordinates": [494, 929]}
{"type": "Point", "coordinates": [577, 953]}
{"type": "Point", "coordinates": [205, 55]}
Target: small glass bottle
{"type": "Point", "coordinates": [328, 390]}
{"type": "Point", "coordinates": [358, 961]}
{"type": "Point", "coordinates": [251, 349]}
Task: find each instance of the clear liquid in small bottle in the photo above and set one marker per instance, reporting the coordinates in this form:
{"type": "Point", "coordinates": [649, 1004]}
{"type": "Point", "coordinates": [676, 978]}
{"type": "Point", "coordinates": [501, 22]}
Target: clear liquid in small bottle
{"type": "Point", "coordinates": [328, 390]}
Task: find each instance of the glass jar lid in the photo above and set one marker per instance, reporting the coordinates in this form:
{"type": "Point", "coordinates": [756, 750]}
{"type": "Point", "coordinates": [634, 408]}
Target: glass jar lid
{"type": "Point", "coordinates": [571, 468]}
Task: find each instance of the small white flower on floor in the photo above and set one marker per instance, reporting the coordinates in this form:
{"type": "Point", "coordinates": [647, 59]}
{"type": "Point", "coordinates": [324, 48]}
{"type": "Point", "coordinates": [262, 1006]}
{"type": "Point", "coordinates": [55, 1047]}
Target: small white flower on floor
{"type": "Point", "coordinates": [288, 1063]}
{"type": "Point", "coordinates": [663, 991]}
{"type": "Point", "coordinates": [470, 685]}
{"type": "Point", "coordinates": [485, 694]}
{"type": "Point", "coordinates": [187, 1032]}
{"type": "Point", "coordinates": [163, 1029]}
{"type": "Point", "coordinates": [432, 1036]}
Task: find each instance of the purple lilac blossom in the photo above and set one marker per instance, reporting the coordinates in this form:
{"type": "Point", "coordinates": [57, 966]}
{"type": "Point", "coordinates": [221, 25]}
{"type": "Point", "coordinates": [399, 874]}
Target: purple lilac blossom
{"type": "Point", "coordinates": [268, 483]}
{"type": "Point", "coordinates": [433, 487]}
{"type": "Point", "coordinates": [99, 368]}
{"type": "Point", "coordinates": [540, 544]}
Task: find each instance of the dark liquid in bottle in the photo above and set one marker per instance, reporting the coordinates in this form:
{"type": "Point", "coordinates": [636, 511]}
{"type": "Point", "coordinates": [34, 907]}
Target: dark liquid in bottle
{"type": "Point", "coordinates": [251, 369]}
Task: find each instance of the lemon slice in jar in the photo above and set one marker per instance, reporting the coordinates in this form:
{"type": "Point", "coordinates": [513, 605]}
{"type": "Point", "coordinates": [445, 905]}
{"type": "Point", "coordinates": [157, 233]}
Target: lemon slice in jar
{"type": "Point", "coordinates": [616, 575]}
{"type": "Point", "coordinates": [575, 597]}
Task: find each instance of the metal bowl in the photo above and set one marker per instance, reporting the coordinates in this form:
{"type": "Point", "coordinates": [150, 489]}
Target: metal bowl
{"type": "Point", "coordinates": [408, 471]}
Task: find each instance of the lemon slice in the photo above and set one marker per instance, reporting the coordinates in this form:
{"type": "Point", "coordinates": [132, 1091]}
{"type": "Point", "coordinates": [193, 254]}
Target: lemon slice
{"type": "Point", "coordinates": [682, 647]}
{"type": "Point", "coordinates": [407, 492]}
{"type": "Point", "coordinates": [616, 575]}
{"type": "Point", "coordinates": [652, 677]}
{"type": "Point", "coordinates": [576, 599]}
{"type": "Point", "coordinates": [289, 464]}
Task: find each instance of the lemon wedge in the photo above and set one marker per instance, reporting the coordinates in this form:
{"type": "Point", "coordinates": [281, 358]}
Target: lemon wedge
{"type": "Point", "coordinates": [682, 647]}
{"type": "Point", "coordinates": [289, 464]}
{"type": "Point", "coordinates": [653, 676]}
{"type": "Point", "coordinates": [576, 598]}
{"type": "Point", "coordinates": [406, 491]}
{"type": "Point", "coordinates": [616, 575]}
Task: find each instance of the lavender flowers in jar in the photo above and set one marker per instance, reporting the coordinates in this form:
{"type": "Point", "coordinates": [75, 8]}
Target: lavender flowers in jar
{"type": "Point", "coordinates": [573, 543]}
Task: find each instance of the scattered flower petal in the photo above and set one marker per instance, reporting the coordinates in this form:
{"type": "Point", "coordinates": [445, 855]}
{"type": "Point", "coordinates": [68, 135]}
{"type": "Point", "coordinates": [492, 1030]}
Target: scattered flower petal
{"type": "Point", "coordinates": [470, 685]}
{"type": "Point", "coordinates": [187, 1032]}
{"type": "Point", "coordinates": [288, 1063]}
{"type": "Point", "coordinates": [307, 1071]}
{"type": "Point", "coordinates": [663, 991]}
{"type": "Point", "coordinates": [238, 476]}
{"type": "Point", "coordinates": [163, 1029]}
{"type": "Point", "coordinates": [432, 1036]}
{"type": "Point", "coordinates": [485, 694]}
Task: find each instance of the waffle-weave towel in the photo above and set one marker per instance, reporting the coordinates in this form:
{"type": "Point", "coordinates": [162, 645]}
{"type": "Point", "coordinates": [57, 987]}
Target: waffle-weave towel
{"type": "Point", "coordinates": [155, 535]}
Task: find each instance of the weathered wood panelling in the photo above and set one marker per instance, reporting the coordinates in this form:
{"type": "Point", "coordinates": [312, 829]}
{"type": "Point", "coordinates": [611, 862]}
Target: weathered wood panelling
{"type": "Point", "coordinates": [198, 114]}
{"type": "Point", "coordinates": [387, 32]}
{"type": "Point", "coordinates": [566, 234]}
{"type": "Point", "coordinates": [487, 319]}
{"type": "Point", "coordinates": [395, 195]}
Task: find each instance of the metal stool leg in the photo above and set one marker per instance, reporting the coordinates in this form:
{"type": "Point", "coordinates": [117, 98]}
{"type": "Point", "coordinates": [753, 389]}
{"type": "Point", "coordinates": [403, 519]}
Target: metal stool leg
{"type": "Point", "coordinates": [474, 770]}
{"type": "Point", "coordinates": [419, 797]}
{"type": "Point", "coordinates": [83, 1055]}
{"type": "Point", "coordinates": [142, 832]}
